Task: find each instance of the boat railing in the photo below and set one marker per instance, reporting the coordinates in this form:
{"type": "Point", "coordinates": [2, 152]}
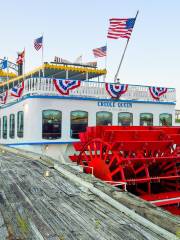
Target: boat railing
{"type": "Point", "coordinates": [88, 89]}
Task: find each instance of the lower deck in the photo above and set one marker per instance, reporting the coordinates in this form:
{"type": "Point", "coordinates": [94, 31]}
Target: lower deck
{"type": "Point", "coordinates": [52, 119]}
{"type": "Point", "coordinates": [50, 124]}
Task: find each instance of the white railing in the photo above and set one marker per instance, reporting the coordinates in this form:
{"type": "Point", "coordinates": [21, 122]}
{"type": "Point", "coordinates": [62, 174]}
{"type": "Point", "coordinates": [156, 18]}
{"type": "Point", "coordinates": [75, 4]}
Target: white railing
{"type": "Point", "coordinates": [45, 86]}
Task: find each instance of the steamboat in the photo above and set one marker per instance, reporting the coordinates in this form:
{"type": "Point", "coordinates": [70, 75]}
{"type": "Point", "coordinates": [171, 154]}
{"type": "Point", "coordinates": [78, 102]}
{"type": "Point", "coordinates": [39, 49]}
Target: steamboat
{"type": "Point", "coordinates": [122, 133]}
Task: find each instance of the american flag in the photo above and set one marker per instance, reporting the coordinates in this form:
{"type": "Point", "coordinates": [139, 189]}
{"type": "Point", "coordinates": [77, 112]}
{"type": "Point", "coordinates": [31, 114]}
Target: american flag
{"type": "Point", "coordinates": [38, 42]}
{"type": "Point", "coordinates": [100, 52]}
{"type": "Point", "coordinates": [120, 27]}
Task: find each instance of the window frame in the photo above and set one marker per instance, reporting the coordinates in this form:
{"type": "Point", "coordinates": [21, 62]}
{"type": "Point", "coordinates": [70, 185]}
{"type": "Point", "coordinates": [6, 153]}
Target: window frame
{"type": "Point", "coordinates": [131, 114]}
{"type": "Point", "coordinates": [71, 122]}
{"type": "Point", "coordinates": [152, 118]}
{"type": "Point", "coordinates": [20, 134]}
{"type": "Point", "coordinates": [3, 129]}
{"type": "Point", "coordinates": [167, 114]}
{"type": "Point", "coordinates": [43, 134]}
{"type": "Point", "coordinates": [12, 136]}
{"type": "Point", "coordinates": [104, 112]}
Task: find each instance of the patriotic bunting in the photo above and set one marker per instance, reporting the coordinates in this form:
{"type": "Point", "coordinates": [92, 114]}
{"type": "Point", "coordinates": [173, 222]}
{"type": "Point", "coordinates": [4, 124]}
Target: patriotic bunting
{"type": "Point", "coordinates": [17, 90]}
{"type": "Point", "coordinates": [116, 90]}
{"type": "Point", "coordinates": [63, 86]}
{"type": "Point", "coordinates": [157, 92]}
{"type": "Point", "coordinates": [3, 97]}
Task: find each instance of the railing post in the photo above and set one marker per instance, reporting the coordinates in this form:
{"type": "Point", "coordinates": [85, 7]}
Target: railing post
{"type": "Point", "coordinates": [87, 76]}
{"type": "Point", "coordinates": [67, 74]}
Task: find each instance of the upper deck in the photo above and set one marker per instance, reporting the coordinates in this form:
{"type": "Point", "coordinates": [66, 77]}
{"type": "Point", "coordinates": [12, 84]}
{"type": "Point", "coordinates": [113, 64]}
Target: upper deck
{"type": "Point", "coordinates": [91, 90]}
{"type": "Point", "coordinates": [40, 82]}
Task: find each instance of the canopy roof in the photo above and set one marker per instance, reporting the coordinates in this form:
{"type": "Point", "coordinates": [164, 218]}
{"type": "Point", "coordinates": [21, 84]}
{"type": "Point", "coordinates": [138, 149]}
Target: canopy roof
{"type": "Point", "coordinates": [62, 71]}
{"type": "Point", "coordinates": [4, 74]}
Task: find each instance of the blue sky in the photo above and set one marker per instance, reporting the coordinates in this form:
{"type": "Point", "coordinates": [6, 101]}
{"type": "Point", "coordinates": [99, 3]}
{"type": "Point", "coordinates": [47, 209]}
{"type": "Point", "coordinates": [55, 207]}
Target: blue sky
{"type": "Point", "coordinates": [72, 28]}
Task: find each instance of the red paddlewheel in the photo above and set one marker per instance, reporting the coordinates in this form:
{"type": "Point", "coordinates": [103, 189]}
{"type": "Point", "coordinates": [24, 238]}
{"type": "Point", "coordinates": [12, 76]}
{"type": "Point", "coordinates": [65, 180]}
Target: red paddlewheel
{"type": "Point", "coordinates": [147, 159]}
{"type": "Point", "coordinates": [97, 155]}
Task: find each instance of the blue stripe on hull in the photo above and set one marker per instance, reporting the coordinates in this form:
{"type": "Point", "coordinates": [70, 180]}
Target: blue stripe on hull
{"type": "Point", "coordinates": [85, 99]}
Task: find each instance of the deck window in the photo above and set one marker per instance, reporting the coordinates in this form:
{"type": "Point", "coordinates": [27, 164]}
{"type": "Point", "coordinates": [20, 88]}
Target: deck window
{"type": "Point", "coordinates": [12, 126]}
{"type": "Point", "coordinates": [79, 122]}
{"type": "Point", "coordinates": [20, 124]}
{"type": "Point", "coordinates": [4, 127]}
{"type": "Point", "coordinates": [51, 124]}
{"type": "Point", "coordinates": [103, 118]}
{"type": "Point", "coordinates": [125, 119]}
{"type": "Point", "coordinates": [165, 119]}
{"type": "Point", "coordinates": [146, 119]}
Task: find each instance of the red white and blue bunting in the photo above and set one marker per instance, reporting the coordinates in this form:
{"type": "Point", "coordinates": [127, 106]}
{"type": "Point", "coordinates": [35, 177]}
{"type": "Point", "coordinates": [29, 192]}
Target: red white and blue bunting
{"type": "Point", "coordinates": [157, 92]}
{"type": "Point", "coordinates": [17, 90]}
{"type": "Point", "coordinates": [116, 90]}
{"type": "Point", "coordinates": [63, 86]}
{"type": "Point", "coordinates": [3, 97]}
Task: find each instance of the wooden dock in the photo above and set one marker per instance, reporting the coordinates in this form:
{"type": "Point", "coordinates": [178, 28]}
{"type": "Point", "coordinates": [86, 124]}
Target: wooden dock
{"type": "Point", "coordinates": [35, 206]}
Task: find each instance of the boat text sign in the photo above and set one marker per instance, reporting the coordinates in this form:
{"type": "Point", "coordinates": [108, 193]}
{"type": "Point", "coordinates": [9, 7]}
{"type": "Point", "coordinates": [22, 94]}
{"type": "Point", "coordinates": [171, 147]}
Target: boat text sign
{"type": "Point", "coordinates": [113, 104]}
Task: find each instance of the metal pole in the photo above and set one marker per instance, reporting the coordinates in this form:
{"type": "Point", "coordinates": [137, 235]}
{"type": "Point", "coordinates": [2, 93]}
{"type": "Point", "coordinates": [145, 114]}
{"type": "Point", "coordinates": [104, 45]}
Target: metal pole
{"type": "Point", "coordinates": [105, 63]}
{"type": "Point", "coordinates": [7, 72]}
{"type": "Point", "coordinates": [24, 64]}
{"type": "Point", "coordinates": [115, 78]}
{"type": "Point", "coordinates": [42, 55]}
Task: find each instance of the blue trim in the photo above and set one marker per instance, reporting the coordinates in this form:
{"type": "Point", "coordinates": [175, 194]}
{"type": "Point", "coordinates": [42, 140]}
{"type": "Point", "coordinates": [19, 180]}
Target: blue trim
{"type": "Point", "coordinates": [83, 98]}
{"type": "Point", "coordinates": [101, 99]}
{"type": "Point", "coordinates": [37, 143]}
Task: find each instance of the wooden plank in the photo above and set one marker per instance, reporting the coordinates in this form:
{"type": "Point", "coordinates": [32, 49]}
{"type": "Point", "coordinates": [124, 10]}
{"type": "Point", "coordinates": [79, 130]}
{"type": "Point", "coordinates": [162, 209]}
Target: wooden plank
{"type": "Point", "coordinates": [53, 208]}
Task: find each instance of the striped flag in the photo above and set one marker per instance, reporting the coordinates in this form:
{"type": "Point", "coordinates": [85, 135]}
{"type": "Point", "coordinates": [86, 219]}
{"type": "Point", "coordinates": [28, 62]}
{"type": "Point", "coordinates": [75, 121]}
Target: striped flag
{"type": "Point", "coordinates": [100, 52]}
{"type": "Point", "coordinates": [20, 58]}
{"type": "Point", "coordinates": [38, 43]}
{"type": "Point", "coordinates": [120, 27]}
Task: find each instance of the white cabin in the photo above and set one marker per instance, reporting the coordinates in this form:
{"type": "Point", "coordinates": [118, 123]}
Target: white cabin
{"type": "Point", "coordinates": [43, 120]}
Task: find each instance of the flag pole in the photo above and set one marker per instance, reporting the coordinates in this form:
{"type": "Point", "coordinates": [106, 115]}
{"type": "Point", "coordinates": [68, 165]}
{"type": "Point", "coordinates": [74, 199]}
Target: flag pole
{"type": "Point", "coordinates": [116, 75]}
{"type": "Point", "coordinates": [7, 71]}
{"type": "Point", "coordinates": [42, 55]}
{"type": "Point", "coordinates": [24, 64]}
{"type": "Point", "coordinates": [105, 62]}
